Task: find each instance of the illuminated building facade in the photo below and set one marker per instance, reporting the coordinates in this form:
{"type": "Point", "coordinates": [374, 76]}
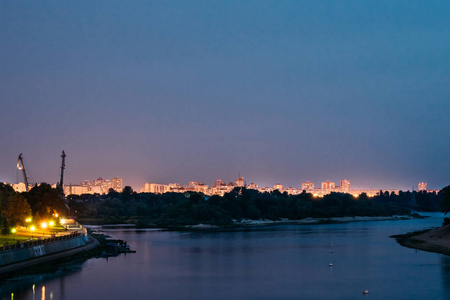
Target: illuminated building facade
{"type": "Point", "coordinates": [422, 186]}
{"type": "Point", "coordinates": [98, 186]}
{"type": "Point", "coordinates": [345, 186]}
{"type": "Point", "coordinates": [279, 187]}
{"type": "Point", "coordinates": [328, 185]}
{"type": "Point", "coordinates": [307, 186]}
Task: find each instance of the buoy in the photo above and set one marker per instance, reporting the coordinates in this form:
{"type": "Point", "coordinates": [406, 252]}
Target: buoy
{"type": "Point", "coordinates": [365, 292]}
{"type": "Point", "coordinates": [330, 264]}
{"type": "Point", "coordinates": [331, 251]}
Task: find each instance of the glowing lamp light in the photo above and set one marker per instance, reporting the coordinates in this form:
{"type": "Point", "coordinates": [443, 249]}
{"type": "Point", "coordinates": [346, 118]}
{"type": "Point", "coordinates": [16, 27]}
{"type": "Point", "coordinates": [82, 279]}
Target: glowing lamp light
{"type": "Point", "coordinates": [13, 230]}
{"type": "Point", "coordinates": [32, 228]}
{"type": "Point", "coordinates": [44, 225]}
{"type": "Point", "coordinates": [56, 215]}
{"type": "Point", "coordinates": [28, 220]}
{"type": "Point", "coordinates": [63, 221]}
{"type": "Point", "coordinates": [51, 223]}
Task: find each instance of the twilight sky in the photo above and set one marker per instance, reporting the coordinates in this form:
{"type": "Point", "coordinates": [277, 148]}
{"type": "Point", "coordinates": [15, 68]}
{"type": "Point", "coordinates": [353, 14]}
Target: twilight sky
{"type": "Point", "coordinates": [280, 91]}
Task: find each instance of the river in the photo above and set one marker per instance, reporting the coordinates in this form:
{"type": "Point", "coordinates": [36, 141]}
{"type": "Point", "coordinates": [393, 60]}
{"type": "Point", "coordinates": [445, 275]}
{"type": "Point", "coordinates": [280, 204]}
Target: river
{"type": "Point", "coordinates": [275, 262]}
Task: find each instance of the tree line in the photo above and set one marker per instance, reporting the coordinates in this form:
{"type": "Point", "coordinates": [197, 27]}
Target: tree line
{"type": "Point", "coordinates": [190, 208]}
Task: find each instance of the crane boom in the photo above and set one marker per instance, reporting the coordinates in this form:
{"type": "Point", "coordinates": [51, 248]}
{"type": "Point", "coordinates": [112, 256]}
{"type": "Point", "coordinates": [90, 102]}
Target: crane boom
{"type": "Point", "coordinates": [21, 166]}
{"type": "Point", "coordinates": [61, 180]}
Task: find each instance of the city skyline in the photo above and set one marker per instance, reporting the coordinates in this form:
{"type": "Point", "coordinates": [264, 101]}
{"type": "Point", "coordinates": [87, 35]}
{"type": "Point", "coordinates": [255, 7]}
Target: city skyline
{"type": "Point", "coordinates": [282, 91]}
{"type": "Point", "coordinates": [102, 186]}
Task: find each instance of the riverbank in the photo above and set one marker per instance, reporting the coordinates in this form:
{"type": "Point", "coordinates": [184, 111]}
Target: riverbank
{"type": "Point", "coordinates": [248, 223]}
{"type": "Point", "coordinates": [36, 262]}
{"type": "Point", "coordinates": [431, 240]}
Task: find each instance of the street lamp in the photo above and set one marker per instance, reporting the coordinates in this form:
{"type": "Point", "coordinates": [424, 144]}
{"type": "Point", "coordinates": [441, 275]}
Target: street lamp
{"type": "Point", "coordinates": [13, 231]}
{"type": "Point", "coordinates": [43, 226]}
{"type": "Point", "coordinates": [32, 228]}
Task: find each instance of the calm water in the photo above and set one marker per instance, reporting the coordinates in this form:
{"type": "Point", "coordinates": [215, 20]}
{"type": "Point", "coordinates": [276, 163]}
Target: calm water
{"type": "Point", "coordinates": [279, 262]}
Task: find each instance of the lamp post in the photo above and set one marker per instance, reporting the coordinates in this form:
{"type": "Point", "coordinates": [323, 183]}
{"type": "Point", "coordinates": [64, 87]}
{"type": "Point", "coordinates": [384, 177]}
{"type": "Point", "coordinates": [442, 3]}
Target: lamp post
{"type": "Point", "coordinates": [13, 231]}
{"type": "Point", "coordinates": [43, 226]}
{"type": "Point", "coordinates": [32, 228]}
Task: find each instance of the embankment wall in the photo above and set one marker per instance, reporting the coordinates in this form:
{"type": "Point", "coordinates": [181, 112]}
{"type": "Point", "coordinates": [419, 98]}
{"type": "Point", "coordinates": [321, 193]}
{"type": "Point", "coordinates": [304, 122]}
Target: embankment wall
{"type": "Point", "coordinates": [37, 248]}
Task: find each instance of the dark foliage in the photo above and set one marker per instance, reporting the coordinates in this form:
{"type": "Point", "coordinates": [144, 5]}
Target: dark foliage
{"type": "Point", "coordinates": [194, 208]}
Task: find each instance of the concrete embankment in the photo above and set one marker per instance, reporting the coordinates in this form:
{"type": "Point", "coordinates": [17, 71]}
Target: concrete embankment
{"type": "Point", "coordinates": [20, 256]}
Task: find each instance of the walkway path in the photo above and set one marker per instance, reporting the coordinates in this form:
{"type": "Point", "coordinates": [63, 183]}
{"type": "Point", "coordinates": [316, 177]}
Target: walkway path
{"type": "Point", "coordinates": [8, 269]}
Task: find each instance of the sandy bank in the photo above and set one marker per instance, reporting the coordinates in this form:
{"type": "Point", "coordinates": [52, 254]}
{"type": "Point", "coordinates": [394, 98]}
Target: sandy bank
{"type": "Point", "coordinates": [248, 222]}
{"type": "Point", "coordinates": [434, 240]}
{"type": "Point", "coordinates": [307, 221]}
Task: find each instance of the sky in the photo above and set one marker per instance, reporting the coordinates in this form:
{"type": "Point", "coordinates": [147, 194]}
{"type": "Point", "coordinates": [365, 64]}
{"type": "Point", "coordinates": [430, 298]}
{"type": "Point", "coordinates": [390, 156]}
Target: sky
{"type": "Point", "coordinates": [276, 91]}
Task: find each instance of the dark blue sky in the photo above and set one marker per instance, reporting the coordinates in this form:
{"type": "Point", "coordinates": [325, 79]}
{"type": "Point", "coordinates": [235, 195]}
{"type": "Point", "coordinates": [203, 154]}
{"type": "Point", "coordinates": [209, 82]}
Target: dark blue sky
{"type": "Point", "coordinates": [280, 91]}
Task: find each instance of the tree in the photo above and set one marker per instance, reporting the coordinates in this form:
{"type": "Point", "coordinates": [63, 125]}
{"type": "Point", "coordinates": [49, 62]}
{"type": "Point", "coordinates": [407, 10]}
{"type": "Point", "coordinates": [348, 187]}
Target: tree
{"type": "Point", "coordinates": [17, 210]}
{"type": "Point", "coordinates": [127, 192]}
{"type": "Point", "coordinates": [445, 202]}
{"type": "Point", "coordinates": [45, 201]}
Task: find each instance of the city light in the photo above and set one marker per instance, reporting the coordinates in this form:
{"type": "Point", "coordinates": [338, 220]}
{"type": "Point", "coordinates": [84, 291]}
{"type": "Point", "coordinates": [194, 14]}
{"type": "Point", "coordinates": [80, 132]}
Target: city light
{"type": "Point", "coordinates": [63, 221]}
{"type": "Point", "coordinates": [32, 229]}
{"type": "Point", "coordinates": [13, 231]}
{"type": "Point", "coordinates": [44, 225]}
{"type": "Point", "coordinates": [51, 223]}
{"type": "Point", "coordinates": [28, 220]}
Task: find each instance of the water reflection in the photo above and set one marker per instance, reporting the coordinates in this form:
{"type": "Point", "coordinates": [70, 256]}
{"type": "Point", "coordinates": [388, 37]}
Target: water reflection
{"type": "Point", "coordinates": [33, 286]}
{"type": "Point", "coordinates": [278, 262]}
{"type": "Point", "coordinates": [445, 273]}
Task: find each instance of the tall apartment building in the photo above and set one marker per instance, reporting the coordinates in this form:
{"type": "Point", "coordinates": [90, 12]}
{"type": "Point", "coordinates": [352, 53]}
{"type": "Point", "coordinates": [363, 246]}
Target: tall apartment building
{"type": "Point", "coordinates": [345, 186]}
{"type": "Point", "coordinates": [307, 186]}
{"type": "Point", "coordinates": [252, 186]}
{"type": "Point", "coordinates": [199, 187]}
{"type": "Point", "coordinates": [240, 181]}
{"type": "Point", "coordinates": [155, 188]}
{"type": "Point", "coordinates": [116, 184]}
{"type": "Point", "coordinates": [328, 185]}
{"type": "Point", "coordinates": [279, 187]}
{"type": "Point", "coordinates": [98, 186]}
{"type": "Point", "coordinates": [422, 186]}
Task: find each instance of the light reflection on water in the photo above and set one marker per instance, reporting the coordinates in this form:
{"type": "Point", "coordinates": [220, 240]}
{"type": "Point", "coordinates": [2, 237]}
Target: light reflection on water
{"type": "Point", "coordinates": [277, 262]}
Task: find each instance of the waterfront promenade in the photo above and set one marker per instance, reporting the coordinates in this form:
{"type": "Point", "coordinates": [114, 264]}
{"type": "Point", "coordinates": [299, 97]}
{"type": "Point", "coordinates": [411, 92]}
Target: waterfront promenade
{"type": "Point", "coordinates": [11, 268]}
{"type": "Point", "coordinates": [31, 249]}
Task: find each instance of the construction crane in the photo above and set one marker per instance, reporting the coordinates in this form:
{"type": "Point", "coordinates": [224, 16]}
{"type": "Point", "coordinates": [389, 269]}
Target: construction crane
{"type": "Point", "coordinates": [60, 185]}
{"type": "Point", "coordinates": [21, 166]}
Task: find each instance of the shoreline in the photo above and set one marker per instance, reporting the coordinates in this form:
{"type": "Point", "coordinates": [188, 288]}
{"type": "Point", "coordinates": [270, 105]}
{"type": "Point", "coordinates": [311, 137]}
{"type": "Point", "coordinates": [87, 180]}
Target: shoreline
{"type": "Point", "coordinates": [33, 263]}
{"type": "Point", "coordinates": [435, 240]}
{"type": "Point", "coordinates": [248, 223]}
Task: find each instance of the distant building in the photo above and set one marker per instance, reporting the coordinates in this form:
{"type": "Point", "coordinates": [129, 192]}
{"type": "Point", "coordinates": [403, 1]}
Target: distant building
{"type": "Point", "coordinates": [422, 186]}
{"type": "Point", "coordinates": [345, 186]}
{"type": "Point", "coordinates": [116, 184]}
{"type": "Point", "coordinates": [98, 186]}
{"type": "Point", "coordinates": [252, 186]}
{"type": "Point", "coordinates": [307, 186]}
{"type": "Point", "coordinates": [20, 187]}
{"type": "Point", "coordinates": [220, 188]}
{"type": "Point", "coordinates": [155, 188]}
{"type": "Point", "coordinates": [278, 186]}
{"type": "Point", "coordinates": [328, 186]}
{"type": "Point", "coordinates": [264, 189]}
{"type": "Point", "coordinates": [240, 181]}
